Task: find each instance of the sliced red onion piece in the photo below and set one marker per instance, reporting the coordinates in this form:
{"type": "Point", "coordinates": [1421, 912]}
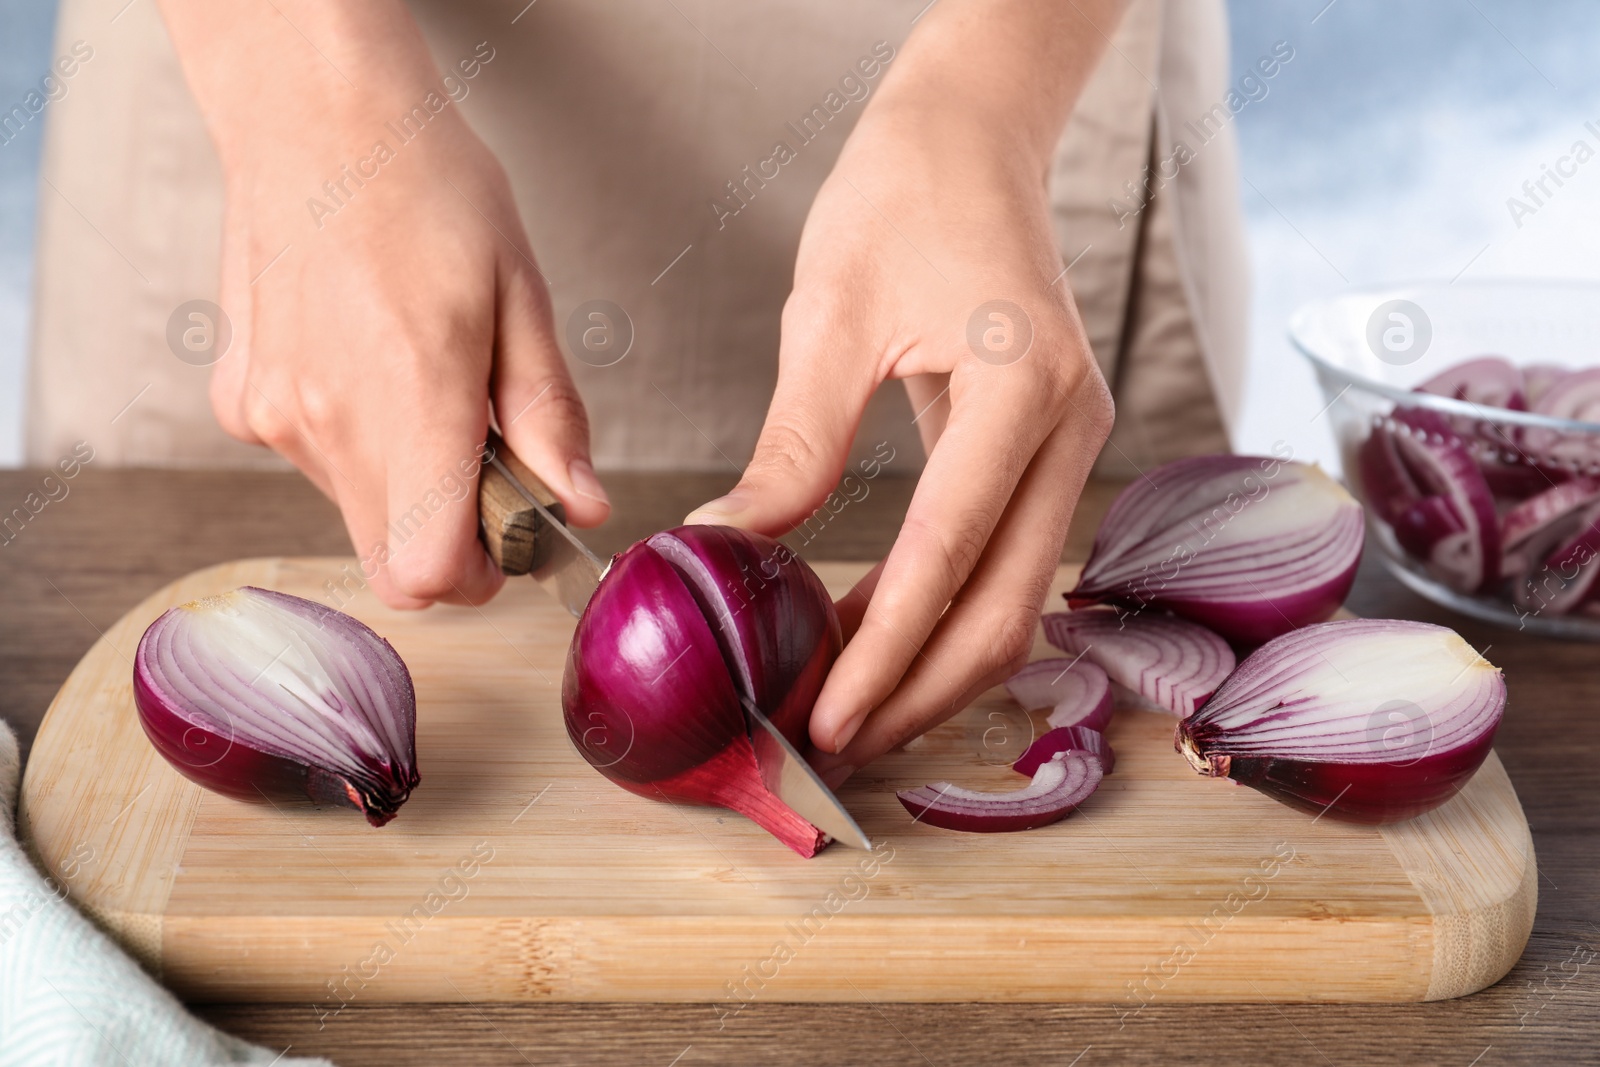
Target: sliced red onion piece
{"type": "Point", "coordinates": [1529, 530]}
{"type": "Point", "coordinates": [260, 695]}
{"type": "Point", "coordinates": [1514, 478]}
{"type": "Point", "coordinates": [1059, 785]}
{"type": "Point", "coordinates": [1386, 482]}
{"type": "Point", "coordinates": [1490, 381]}
{"type": "Point", "coordinates": [1372, 720]}
{"type": "Point", "coordinates": [1466, 555]}
{"type": "Point", "coordinates": [1566, 578]}
{"type": "Point", "coordinates": [1077, 690]}
{"type": "Point", "coordinates": [1576, 397]}
{"type": "Point", "coordinates": [1249, 546]}
{"type": "Point", "coordinates": [1066, 739]}
{"type": "Point", "coordinates": [1539, 378]}
{"type": "Point", "coordinates": [1173, 663]}
{"type": "Point", "coordinates": [1428, 522]}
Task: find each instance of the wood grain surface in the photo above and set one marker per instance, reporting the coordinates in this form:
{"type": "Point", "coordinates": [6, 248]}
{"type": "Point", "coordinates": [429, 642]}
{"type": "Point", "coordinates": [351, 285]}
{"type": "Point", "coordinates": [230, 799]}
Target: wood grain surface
{"type": "Point", "coordinates": [86, 560]}
{"type": "Point", "coordinates": [517, 873]}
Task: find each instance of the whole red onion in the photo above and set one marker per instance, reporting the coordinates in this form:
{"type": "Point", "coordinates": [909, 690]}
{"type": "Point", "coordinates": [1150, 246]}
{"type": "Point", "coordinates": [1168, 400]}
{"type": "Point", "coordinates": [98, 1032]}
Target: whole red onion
{"type": "Point", "coordinates": [682, 625]}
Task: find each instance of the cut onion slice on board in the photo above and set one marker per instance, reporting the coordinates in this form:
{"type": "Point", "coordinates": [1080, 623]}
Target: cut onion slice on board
{"type": "Point", "coordinates": [1077, 691]}
{"type": "Point", "coordinates": [1059, 785]}
{"type": "Point", "coordinates": [1066, 739]}
{"type": "Point", "coordinates": [1173, 663]}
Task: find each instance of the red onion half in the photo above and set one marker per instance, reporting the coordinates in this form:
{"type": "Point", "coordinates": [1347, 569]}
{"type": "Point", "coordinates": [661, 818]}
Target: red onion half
{"type": "Point", "coordinates": [1371, 720]}
{"type": "Point", "coordinates": [1059, 785]}
{"type": "Point", "coordinates": [1249, 546]}
{"type": "Point", "coordinates": [1171, 663]}
{"type": "Point", "coordinates": [262, 695]}
{"type": "Point", "coordinates": [682, 625]}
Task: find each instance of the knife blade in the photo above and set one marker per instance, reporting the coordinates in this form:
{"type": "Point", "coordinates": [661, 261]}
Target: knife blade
{"type": "Point", "coordinates": [525, 531]}
{"type": "Point", "coordinates": [790, 778]}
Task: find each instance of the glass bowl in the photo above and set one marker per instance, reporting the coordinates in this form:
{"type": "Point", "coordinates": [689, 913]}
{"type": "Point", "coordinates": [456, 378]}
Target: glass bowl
{"type": "Point", "coordinates": [1371, 347]}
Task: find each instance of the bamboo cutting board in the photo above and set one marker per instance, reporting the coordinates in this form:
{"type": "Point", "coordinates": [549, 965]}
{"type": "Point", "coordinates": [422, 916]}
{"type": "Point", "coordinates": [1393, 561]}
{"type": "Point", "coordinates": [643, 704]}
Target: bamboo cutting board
{"type": "Point", "coordinates": [515, 872]}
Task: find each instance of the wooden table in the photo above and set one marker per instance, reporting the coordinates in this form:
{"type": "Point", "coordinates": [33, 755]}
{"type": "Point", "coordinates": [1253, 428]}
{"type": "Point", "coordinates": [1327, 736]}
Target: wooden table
{"type": "Point", "coordinates": [120, 535]}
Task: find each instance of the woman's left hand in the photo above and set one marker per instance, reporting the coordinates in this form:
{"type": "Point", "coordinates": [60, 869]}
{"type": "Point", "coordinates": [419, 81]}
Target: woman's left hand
{"type": "Point", "coordinates": [928, 256]}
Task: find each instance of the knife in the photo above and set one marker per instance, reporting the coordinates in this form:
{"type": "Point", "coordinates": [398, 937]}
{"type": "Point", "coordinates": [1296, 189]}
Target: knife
{"type": "Point", "coordinates": [525, 531]}
{"type": "Point", "coordinates": [790, 778]}
{"type": "Point", "coordinates": [524, 527]}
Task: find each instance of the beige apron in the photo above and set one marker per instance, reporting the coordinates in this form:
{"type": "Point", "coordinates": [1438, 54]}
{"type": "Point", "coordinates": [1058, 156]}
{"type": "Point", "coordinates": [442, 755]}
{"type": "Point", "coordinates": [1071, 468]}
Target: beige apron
{"type": "Point", "coordinates": [620, 124]}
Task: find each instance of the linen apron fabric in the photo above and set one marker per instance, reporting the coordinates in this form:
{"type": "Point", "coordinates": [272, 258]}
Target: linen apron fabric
{"type": "Point", "coordinates": [621, 125]}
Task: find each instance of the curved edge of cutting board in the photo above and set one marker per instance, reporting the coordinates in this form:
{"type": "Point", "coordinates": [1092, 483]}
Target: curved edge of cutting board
{"type": "Point", "coordinates": [1473, 865]}
{"type": "Point", "coordinates": [69, 784]}
{"type": "Point", "coordinates": [94, 791]}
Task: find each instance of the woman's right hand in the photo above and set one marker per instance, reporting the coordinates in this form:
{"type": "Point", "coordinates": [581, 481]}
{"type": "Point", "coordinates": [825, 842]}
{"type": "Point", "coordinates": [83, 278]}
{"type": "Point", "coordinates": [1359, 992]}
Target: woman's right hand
{"type": "Point", "coordinates": [375, 325]}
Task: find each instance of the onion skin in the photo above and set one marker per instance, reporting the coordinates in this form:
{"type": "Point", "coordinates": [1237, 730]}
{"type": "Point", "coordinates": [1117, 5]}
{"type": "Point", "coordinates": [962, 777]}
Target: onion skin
{"type": "Point", "coordinates": [681, 624]}
{"type": "Point", "coordinates": [1307, 719]}
{"type": "Point", "coordinates": [192, 739]}
{"type": "Point", "coordinates": [616, 717]}
{"type": "Point", "coordinates": [787, 663]}
{"type": "Point", "coordinates": [1248, 546]}
{"type": "Point", "coordinates": [1372, 794]}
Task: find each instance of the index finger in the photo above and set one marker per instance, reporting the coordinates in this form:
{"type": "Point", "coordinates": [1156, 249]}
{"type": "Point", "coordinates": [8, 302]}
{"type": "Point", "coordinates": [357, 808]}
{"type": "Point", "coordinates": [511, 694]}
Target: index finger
{"type": "Point", "coordinates": [1000, 416]}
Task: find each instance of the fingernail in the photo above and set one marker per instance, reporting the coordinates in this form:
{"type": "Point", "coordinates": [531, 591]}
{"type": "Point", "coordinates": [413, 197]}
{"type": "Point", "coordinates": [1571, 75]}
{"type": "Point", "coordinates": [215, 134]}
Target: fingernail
{"type": "Point", "coordinates": [848, 731]}
{"type": "Point", "coordinates": [838, 776]}
{"type": "Point", "coordinates": [584, 481]}
{"type": "Point", "coordinates": [717, 511]}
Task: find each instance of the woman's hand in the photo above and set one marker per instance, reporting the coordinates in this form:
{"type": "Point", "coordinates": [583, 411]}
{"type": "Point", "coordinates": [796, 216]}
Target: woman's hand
{"type": "Point", "coordinates": [382, 299]}
{"type": "Point", "coordinates": [928, 255]}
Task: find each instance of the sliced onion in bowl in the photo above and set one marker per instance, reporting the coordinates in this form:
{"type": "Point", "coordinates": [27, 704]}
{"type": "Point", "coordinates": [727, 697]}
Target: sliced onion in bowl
{"type": "Point", "coordinates": [1172, 663]}
{"type": "Point", "coordinates": [1530, 529]}
{"type": "Point", "coordinates": [1491, 381]}
{"type": "Point", "coordinates": [1439, 463]}
{"type": "Point", "coordinates": [1539, 378]}
{"type": "Point", "coordinates": [1566, 579]}
{"type": "Point", "coordinates": [1575, 397]}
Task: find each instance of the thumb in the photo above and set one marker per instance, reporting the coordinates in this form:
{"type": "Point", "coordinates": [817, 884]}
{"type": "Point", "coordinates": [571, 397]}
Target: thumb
{"type": "Point", "coordinates": [536, 404]}
{"type": "Point", "coordinates": [823, 389]}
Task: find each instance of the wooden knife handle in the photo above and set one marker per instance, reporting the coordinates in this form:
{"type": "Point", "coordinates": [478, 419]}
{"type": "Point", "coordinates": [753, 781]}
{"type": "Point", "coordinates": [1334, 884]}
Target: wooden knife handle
{"type": "Point", "coordinates": [517, 536]}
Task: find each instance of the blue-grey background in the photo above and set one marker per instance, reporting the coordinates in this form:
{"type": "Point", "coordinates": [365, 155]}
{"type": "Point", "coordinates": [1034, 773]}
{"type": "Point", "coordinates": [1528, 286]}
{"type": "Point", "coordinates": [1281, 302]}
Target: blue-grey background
{"type": "Point", "coordinates": [1385, 150]}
